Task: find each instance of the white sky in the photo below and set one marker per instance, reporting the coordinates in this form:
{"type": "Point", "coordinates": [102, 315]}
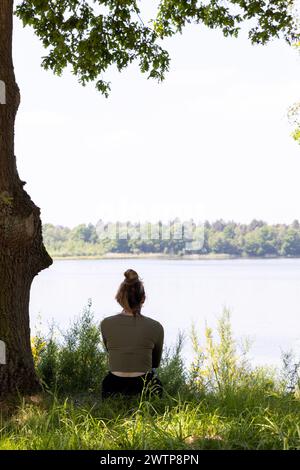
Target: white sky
{"type": "Point", "coordinates": [212, 141]}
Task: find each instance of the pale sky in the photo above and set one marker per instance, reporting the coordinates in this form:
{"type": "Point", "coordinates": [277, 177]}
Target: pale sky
{"type": "Point", "coordinates": [211, 141]}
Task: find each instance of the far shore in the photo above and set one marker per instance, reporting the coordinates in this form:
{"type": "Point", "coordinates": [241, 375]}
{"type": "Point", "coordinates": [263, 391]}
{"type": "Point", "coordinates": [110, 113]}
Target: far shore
{"type": "Point", "coordinates": [211, 256]}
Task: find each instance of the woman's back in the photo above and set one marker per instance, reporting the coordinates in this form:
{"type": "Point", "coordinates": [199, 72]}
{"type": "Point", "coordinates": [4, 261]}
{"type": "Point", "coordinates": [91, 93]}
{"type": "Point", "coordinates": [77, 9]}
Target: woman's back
{"type": "Point", "coordinates": [134, 343]}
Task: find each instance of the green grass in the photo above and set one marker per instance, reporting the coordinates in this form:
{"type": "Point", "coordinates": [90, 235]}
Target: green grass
{"type": "Point", "coordinates": [208, 423]}
{"type": "Point", "coordinates": [220, 402]}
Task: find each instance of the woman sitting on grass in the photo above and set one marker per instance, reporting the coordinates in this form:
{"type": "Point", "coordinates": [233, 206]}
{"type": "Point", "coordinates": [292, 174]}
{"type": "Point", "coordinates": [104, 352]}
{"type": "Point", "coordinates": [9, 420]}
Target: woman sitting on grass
{"type": "Point", "coordinates": [134, 344]}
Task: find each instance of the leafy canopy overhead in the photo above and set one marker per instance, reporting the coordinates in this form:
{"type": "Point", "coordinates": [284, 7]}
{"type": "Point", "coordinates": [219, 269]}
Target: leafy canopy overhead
{"type": "Point", "coordinates": [92, 35]}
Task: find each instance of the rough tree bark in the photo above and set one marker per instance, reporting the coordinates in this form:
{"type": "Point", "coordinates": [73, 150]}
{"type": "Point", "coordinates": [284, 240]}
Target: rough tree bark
{"type": "Point", "coordinates": [22, 253]}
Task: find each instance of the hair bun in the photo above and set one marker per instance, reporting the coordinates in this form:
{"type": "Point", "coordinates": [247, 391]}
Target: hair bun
{"type": "Point", "coordinates": [131, 276]}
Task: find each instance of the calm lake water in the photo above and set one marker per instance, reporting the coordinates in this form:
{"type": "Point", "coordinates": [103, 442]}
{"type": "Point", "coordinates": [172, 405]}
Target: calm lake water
{"type": "Point", "coordinates": [262, 295]}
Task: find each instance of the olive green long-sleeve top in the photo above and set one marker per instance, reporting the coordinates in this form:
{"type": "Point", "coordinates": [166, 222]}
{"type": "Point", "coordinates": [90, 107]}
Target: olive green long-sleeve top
{"type": "Point", "coordinates": [133, 343]}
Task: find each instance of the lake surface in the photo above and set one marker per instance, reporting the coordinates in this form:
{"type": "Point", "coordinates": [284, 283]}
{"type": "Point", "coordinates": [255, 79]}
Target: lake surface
{"type": "Point", "coordinates": [262, 295]}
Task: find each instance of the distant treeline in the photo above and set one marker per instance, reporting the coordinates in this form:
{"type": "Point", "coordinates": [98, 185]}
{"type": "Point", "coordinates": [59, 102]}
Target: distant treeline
{"type": "Point", "coordinates": [257, 239]}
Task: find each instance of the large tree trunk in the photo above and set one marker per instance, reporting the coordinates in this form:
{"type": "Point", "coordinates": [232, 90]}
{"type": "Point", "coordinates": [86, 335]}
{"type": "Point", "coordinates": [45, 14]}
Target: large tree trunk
{"type": "Point", "coordinates": [22, 253]}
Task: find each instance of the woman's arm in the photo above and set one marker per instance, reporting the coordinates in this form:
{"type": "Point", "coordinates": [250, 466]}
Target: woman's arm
{"type": "Point", "coordinates": [158, 347]}
{"type": "Point", "coordinates": [103, 336]}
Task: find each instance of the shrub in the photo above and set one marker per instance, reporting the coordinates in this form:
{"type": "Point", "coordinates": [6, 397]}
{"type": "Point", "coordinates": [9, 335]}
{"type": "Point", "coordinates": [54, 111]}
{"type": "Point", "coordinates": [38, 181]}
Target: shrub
{"type": "Point", "coordinates": [75, 363]}
{"type": "Point", "coordinates": [219, 368]}
{"type": "Point", "coordinates": [172, 371]}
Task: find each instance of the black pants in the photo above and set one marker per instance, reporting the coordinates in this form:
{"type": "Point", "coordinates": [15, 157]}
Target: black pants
{"type": "Point", "coordinates": [130, 386]}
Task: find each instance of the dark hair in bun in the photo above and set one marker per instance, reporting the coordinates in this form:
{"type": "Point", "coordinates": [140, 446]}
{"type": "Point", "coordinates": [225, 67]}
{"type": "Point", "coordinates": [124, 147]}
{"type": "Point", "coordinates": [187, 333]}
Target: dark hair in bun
{"type": "Point", "coordinates": [131, 276]}
{"type": "Point", "coordinates": [131, 293]}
